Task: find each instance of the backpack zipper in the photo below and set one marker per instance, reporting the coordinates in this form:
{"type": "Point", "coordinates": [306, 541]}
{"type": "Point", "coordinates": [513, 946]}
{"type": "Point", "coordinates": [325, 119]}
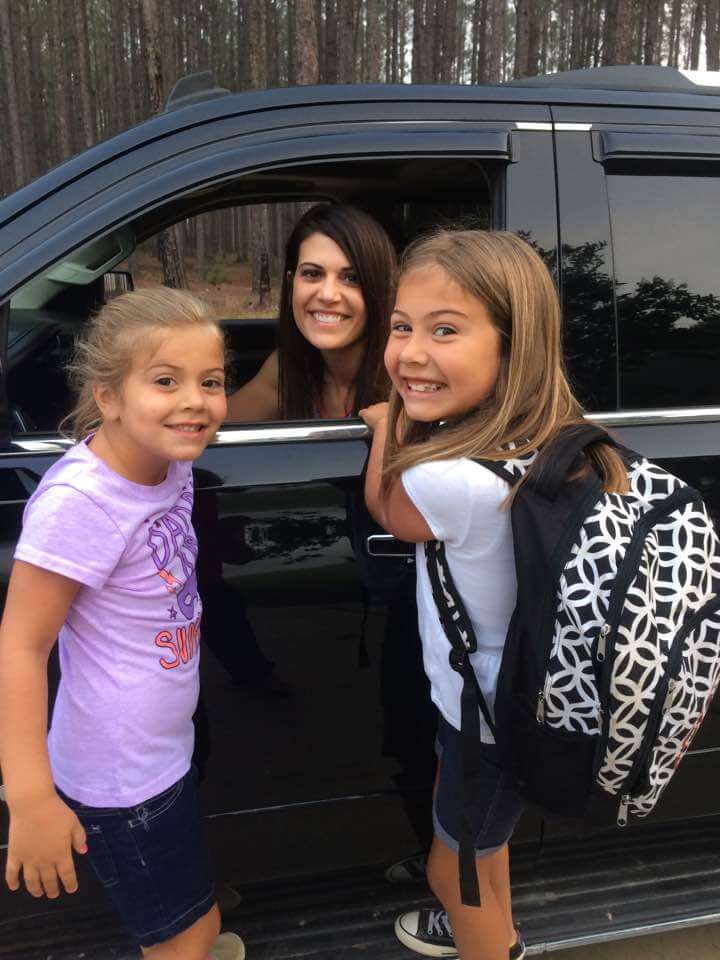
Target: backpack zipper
{"type": "Point", "coordinates": [666, 688]}
{"type": "Point", "coordinates": [557, 565]}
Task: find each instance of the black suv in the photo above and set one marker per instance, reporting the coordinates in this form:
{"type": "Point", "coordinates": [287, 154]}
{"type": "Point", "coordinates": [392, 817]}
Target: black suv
{"type": "Point", "coordinates": [315, 732]}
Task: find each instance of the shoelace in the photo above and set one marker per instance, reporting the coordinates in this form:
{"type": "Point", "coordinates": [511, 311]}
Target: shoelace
{"type": "Point", "coordinates": [436, 921]}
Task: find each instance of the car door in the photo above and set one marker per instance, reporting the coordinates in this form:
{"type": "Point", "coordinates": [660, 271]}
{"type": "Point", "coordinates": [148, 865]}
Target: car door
{"type": "Point", "coordinates": [638, 210]}
{"type": "Point", "coordinates": [315, 730]}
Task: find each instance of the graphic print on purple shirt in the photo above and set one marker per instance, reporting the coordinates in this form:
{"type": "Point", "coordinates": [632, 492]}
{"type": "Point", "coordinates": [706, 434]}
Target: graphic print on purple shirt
{"type": "Point", "coordinates": [174, 529]}
{"type": "Point", "coordinates": [172, 536]}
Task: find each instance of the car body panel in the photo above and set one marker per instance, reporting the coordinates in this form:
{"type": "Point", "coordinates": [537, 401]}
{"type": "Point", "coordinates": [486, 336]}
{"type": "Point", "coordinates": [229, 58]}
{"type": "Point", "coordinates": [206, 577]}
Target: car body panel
{"type": "Point", "coordinates": [315, 733]}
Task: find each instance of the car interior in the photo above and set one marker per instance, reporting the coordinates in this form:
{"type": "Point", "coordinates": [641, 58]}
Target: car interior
{"type": "Point", "coordinates": [49, 312]}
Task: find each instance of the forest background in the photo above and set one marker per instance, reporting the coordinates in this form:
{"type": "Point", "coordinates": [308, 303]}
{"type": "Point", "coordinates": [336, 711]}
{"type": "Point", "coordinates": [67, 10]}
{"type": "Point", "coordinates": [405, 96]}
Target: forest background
{"type": "Point", "coordinates": [75, 72]}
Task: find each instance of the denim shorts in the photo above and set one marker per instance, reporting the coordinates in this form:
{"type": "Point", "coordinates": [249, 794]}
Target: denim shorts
{"type": "Point", "coordinates": [496, 806]}
{"type": "Point", "coordinates": [152, 861]}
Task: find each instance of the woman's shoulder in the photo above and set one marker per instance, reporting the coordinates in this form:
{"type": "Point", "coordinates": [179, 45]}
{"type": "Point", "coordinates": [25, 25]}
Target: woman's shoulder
{"type": "Point", "coordinates": [269, 372]}
{"type": "Point", "coordinates": [258, 399]}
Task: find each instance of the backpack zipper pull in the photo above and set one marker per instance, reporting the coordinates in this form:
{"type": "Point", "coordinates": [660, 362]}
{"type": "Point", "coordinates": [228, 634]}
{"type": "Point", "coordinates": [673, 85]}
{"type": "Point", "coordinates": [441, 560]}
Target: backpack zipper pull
{"type": "Point", "coordinates": [672, 686]}
{"type": "Point", "coordinates": [540, 711]}
{"type": "Point", "coordinates": [622, 817]}
{"type": "Point", "coordinates": [602, 640]}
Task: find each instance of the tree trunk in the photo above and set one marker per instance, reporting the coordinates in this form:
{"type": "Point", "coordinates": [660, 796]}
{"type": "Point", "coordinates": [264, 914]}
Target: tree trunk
{"type": "Point", "coordinates": [417, 66]}
{"type": "Point", "coordinates": [307, 68]}
{"type": "Point", "coordinates": [696, 30]}
{"type": "Point", "coordinates": [345, 41]}
{"type": "Point", "coordinates": [200, 252]}
{"type": "Point", "coordinates": [372, 63]}
{"type": "Point", "coordinates": [576, 43]}
{"type": "Point", "coordinates": [87, 125]}
{"type": "Point", "coordinates": [621, 33]}
{"type": "Point", "coordinates": [653, 33]}
{"type": "Point", "coordinates": [712, 34]}
{"type": "Point", "coordinates": [32, 70]}
{"type": "Point", "coordinates": [497, 39]}
{"type": "Point", "coordinates": [675, 30]}
{"type": "Point", "coordinates": [522, 37]}
{"type": "Point", "coordinates": [259, 224]}
{"type": "Point", "coordinates": [536, 11]}
{"type": "Point", "coordinates": [16, 145]}
{"type": "Point", "coordinates": [172, 266]}
{"type": "Point", "coordinates": [59, 82]}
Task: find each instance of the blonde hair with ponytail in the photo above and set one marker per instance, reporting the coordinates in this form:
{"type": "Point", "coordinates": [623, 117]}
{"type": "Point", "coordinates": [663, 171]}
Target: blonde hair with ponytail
{"type": "Point", "coordinates": [124, 326]}
{"type": "Point", "coordinates": [532, 399]}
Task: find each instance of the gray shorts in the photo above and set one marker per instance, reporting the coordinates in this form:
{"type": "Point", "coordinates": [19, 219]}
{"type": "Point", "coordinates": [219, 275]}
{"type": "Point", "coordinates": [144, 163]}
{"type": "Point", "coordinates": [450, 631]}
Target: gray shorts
{"type": "Point", "coordinates": [496, 805]}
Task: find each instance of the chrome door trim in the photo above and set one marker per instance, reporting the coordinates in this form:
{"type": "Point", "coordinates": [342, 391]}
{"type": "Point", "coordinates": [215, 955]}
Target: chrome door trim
{"type": "Point", "coordinates": [233, 435]}
{"type": "Point", "coordinates": [293, 432]}
{"type": "Point", "coordinates": [296, 432]}
{"type": "Point", "coordinates": [374, 549]}
{"type": "Point", "coordinates": [662, 926]}
{"type": "Point", "coordinates": [637, 418]}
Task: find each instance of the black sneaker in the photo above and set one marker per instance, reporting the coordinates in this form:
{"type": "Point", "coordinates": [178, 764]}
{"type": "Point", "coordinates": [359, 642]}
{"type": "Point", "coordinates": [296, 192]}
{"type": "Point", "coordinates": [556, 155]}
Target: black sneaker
{"type": "Point", "coordinates": [429, 932]}
{"type": "Point", "coordinates": [410, 870]}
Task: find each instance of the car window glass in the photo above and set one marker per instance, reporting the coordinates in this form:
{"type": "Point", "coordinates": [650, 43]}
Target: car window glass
{"type": "Point", "coordinates": [214, 234]}
{"type": "Point", "coordinates": [667, 273]}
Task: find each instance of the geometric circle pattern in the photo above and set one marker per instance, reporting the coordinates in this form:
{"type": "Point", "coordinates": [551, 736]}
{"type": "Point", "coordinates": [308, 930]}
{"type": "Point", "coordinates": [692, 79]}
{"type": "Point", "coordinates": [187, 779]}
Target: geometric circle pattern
{"type": "Point", "coordinates": [660, 645]}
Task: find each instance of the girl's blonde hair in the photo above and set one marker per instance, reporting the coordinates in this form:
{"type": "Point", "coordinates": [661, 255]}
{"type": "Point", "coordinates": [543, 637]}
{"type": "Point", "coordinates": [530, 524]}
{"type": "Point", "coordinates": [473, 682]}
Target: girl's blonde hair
{"type": "Point", "coordinates": [532, 399]}
{"type": "Point", "coordinates": [124, 325]}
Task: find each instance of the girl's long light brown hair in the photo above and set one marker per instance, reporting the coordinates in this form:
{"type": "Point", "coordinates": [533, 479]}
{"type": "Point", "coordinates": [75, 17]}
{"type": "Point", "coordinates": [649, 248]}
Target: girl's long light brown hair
{"type": "Point", "coordinates": [124, 325]}
{"type": "Point", "coordinates": [532, 399]}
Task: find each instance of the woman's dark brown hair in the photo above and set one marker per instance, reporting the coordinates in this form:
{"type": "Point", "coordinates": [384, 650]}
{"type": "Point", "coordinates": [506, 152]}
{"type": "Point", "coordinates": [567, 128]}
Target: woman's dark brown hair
{"type": "Point", "coordinates": [372, 257]}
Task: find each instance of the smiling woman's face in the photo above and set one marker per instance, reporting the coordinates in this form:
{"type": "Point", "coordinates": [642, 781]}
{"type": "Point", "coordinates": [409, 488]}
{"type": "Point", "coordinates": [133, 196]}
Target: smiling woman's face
{"type": "Point", "coordinates": [327, 301]}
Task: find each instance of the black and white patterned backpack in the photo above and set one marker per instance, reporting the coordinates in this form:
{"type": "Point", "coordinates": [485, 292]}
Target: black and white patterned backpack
{"type": "Point", "coordinates": [612, 656]}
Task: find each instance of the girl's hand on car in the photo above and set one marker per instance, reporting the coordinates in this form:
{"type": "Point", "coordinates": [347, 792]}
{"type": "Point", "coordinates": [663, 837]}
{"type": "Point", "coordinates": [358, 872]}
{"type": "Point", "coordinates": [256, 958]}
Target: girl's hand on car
{"type": "Point", "coordinates": [374, 414]}
{"type": "Point", "coordinates": [43, 835]}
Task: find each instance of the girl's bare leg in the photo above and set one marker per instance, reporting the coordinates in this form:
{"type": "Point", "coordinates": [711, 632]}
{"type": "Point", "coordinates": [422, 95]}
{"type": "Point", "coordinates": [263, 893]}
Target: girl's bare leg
{"type": "Point", "coordinates": [500, 880]}
{"type": "Point", "coordinates": [480, 933]}
{"type": "Point", "coordinates": [192, 944]}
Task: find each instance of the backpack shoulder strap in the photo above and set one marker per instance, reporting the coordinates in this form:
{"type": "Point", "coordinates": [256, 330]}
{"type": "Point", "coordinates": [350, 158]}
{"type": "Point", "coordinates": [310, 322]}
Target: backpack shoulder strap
{"type": "Point", "coordinates": [513, 468]}
{"type": "Point", "coordinates": [454, 618]}
{"type": "Point", "coordinates": [459, 631]}
{"type": "Point", "coordinates": [559, 455]}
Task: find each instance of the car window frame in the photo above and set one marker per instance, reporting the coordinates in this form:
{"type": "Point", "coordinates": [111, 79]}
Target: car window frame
{"type": "Point", "coordinates": [418, 140]}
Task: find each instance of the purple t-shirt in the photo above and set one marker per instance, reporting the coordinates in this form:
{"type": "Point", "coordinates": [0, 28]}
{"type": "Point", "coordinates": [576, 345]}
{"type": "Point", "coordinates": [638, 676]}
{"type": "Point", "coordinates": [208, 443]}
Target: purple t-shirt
{"type": "Point", "coordinates": [122, 728]}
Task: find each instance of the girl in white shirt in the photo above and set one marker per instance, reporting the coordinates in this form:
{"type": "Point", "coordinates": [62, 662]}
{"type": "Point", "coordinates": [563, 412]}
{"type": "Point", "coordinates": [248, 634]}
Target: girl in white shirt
{"type": "Point", "coordinates": [475, 361]}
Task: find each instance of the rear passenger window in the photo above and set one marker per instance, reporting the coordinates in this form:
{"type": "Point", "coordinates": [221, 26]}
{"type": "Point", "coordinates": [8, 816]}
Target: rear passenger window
{"type": "Point", "coordinates": [667, 273]}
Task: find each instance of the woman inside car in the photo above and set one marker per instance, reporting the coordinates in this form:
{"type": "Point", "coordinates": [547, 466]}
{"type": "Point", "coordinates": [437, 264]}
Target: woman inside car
{"type": "Point", "coordinates": [337, 294]}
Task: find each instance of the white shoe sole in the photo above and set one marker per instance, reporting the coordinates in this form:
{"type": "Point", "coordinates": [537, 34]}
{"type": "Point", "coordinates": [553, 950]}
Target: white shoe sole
{"type": "Point", "coordinates": [228, 946]}
{"type": "Point", "coordinates": [426, 949]}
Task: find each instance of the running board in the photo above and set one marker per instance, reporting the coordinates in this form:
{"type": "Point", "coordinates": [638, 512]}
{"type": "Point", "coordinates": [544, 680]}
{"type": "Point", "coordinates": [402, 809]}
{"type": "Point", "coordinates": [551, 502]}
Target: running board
{"type": "Point", "coordinates": [571, 892]}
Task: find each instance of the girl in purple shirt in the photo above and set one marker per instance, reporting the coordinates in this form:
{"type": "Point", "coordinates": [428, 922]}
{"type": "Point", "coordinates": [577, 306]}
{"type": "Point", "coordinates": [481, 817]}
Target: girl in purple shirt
{"type": "Point", "coordinates": [108, 545]}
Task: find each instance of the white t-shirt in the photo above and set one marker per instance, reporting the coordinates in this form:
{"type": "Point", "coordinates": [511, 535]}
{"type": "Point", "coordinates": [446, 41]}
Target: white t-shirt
{"type": "Point", "coordinates": [462, 504]}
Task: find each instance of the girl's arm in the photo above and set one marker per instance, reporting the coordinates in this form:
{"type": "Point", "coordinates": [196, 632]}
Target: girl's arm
{"type": "Point", "coordinates": [257, 399]}
{"type": "Point", "coordinates": [395, 512]}
{"type": "Point", "coordinates": [43, 829]}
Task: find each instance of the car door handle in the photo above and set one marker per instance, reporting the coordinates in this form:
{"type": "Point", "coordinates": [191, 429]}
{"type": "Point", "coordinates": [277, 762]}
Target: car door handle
{"type": "Point", "coordinates": [385, 545]}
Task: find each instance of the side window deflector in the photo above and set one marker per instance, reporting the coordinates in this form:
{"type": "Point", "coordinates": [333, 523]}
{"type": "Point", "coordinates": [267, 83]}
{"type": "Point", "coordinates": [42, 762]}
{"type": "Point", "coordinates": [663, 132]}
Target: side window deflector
{"type": "Point", "coordinates": [620, 148]}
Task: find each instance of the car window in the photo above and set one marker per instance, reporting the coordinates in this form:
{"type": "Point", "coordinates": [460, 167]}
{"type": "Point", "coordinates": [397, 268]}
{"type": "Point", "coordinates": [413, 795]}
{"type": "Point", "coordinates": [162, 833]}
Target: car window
{"type": "Point", "coordinates": [214, 234]}
{"type": "Point", "coordinates": [667, 276]}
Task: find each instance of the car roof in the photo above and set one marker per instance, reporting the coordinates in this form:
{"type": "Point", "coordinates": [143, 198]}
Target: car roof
{"type": "Point", "coordinates": [634, 86]}
{"type": "Point", "coordinates": [209, 126]}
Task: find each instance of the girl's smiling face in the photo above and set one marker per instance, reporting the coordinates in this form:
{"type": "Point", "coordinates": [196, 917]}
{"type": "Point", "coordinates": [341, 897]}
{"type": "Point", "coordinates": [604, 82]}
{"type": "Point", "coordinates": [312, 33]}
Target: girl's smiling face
{"type": "Point", "coordinates": [327, 301]}
{"type": "Point", "coordinates": [170, 404]}
{"type": "Point", "coordinates": [443, 353]}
